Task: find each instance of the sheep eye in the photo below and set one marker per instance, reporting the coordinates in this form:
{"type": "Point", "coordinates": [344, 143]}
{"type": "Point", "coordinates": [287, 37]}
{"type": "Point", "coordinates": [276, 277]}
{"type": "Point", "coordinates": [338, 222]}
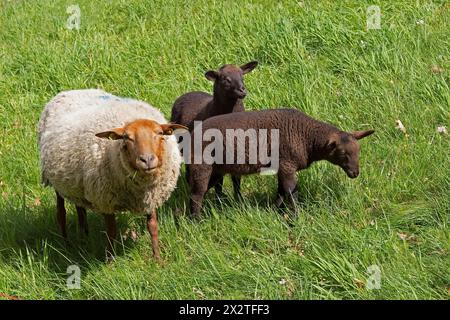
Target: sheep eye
{"type": "Point", "coordinates": [227, 80]}
{"type": "Point", "coordinates": [127, 137]}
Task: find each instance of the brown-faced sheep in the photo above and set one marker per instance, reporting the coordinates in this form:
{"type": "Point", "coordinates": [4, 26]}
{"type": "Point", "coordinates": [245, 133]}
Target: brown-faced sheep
{"type": "Point", "coordinates": [108, 154]}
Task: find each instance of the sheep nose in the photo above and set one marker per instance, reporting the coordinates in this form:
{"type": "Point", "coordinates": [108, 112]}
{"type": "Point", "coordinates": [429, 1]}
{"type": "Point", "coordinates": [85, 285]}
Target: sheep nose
{"type": "Point", "coordinates": [242, 92]}
{"type": "Point", "coordinates": [148, 161]}
{"type": "Point", "coordinates": [353, 173]}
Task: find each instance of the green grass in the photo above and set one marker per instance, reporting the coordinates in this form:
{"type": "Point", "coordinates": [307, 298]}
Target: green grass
{"type": "Point", "coordinates": [316, 57]}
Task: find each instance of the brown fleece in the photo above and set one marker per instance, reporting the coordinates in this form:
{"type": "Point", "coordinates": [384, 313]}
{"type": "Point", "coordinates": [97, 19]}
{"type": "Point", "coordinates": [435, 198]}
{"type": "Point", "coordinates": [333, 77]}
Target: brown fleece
{"type": "Point", "coordinates": [229, 91]}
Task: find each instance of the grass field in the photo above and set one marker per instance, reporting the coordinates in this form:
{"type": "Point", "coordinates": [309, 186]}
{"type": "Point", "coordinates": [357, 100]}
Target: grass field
{"type": "Point", "coordinates": [316, 56]}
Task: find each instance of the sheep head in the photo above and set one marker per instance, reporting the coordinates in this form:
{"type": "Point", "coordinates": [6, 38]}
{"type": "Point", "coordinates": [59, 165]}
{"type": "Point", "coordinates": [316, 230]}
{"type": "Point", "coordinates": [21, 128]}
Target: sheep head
{"type": "Point", "coordinates": [143, 142]}
{"type": "Point", "coordinates": [343, 148]}
{"type": "Point", "coordinates": [229, 80]}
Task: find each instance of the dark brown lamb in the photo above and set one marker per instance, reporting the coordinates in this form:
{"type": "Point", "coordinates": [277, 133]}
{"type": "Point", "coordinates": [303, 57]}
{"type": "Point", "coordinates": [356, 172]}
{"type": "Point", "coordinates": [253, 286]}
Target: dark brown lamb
{"type": "Point", "coordinates": [302, 141]}
{"type": "Point", "coordinates": [229, 91]}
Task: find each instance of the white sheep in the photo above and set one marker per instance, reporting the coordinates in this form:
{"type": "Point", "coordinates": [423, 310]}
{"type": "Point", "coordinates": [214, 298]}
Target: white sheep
{"type": "Point", "coordinates": [108, 154]}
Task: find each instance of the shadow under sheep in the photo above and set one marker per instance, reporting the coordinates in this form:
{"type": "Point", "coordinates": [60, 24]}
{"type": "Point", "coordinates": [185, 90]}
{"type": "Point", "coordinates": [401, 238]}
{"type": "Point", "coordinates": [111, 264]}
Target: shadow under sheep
{"type": "Point", "coordinates": [35, 230]}
{"type": "Point", "coordinates": [312, 186]}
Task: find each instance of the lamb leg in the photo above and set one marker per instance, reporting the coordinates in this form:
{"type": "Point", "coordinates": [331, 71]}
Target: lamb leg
{"type": "Point", "coordinates": [216, 181]}
{"type": "Point", "coordinates": [287, 187]}
{"type": "Point", "coordinates": [237, 187]}
{"type": "Point", "coordinates": [198, 182]}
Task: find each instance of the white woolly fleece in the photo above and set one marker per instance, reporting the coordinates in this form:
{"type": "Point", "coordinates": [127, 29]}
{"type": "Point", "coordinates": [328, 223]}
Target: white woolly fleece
{"type": "Point", "coordinates": [90, 171]}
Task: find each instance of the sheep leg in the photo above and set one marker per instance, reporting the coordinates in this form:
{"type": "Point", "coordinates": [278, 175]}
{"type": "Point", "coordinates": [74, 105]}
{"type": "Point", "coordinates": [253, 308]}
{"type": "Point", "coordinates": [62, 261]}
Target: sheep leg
{"type": "Point", "coordinates": [111, 232]}
{"type": "Point", "coordinates": [287, 187]}
{"type": "Point", "coordinates": [196, 201]}
{"type": "Point", "coordinates": [82, 220]}
{"type": "Point", "coordinates": [152, 227]}
{"type": "Point", "coordinates": [61, 215]}
{"type": "Point", "coordinates": [187, 175]}
{"type": "Point", "coordinates": [198, 182]}
{"type": "Point", "coordinates": [216, 181]}
{"type": "Point", "coordinates": [237, 187]}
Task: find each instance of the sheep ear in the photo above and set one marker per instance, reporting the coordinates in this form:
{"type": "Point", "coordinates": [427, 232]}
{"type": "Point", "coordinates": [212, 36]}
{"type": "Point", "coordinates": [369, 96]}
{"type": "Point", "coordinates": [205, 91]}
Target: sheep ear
{"type": "Point", "coordinates": [246, 68]}
{"type": "Point", "coordinates": [361, 134]}
{"type": "Point", "coordinates": [169, 128]}
{"type": "Point", "coordinates": [332, 145]}
{"type": "Point", "coordinates": [332, 142]}
{"type": "Point", "coordinates": [113, 134]}
{"type": "Point", "coordinates": [211, 75]}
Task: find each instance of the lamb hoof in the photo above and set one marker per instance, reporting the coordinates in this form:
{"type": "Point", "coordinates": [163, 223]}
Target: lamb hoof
{"type": "Point", "coordinates": [195, 216]}
{"type": "Point", "coordinates": [279, 203]}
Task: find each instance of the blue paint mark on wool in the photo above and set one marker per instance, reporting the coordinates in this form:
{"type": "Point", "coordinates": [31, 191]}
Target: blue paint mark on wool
{"type": "Point", "coordinates": [107, 97]}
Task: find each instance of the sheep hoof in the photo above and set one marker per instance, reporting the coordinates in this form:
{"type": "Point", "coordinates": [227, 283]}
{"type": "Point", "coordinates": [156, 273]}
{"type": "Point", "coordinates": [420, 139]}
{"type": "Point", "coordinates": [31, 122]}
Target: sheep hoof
{"type": "Point", "coordinates": [150, 258]}
{"type": "Point", "coordinates": [158, 260]}
{"type": "Point", "coordinates": [196, 217]}
{"type": "Point", "coordinates": [279, 202]}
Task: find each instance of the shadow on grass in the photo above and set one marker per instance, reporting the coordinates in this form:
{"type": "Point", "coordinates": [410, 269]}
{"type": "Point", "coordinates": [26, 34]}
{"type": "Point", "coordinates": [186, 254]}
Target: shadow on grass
{"type": "Point", "coordinates": [314, 187]}
{"type": "Point", "coordinates": [33, 234]}
{"type": "Point", "coordinates": [32, 231]}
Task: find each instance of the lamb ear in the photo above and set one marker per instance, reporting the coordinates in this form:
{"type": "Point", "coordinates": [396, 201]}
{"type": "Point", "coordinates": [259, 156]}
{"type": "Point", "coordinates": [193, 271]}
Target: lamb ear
{"type": "Point", "coordinates": [332, 145]}
{"type": "Point", "coordinates": [361, 134]}
{"type": "Point", "coordinates": [332, 142]}
{"type": "Point", "coordinates": [211, 75]}
{"type": "Point", "coordinates": [246, 68]}
{"type": "Point", "coordinates": [169, 128]}
{"type": "Point", "coordinates": [113, 134]}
